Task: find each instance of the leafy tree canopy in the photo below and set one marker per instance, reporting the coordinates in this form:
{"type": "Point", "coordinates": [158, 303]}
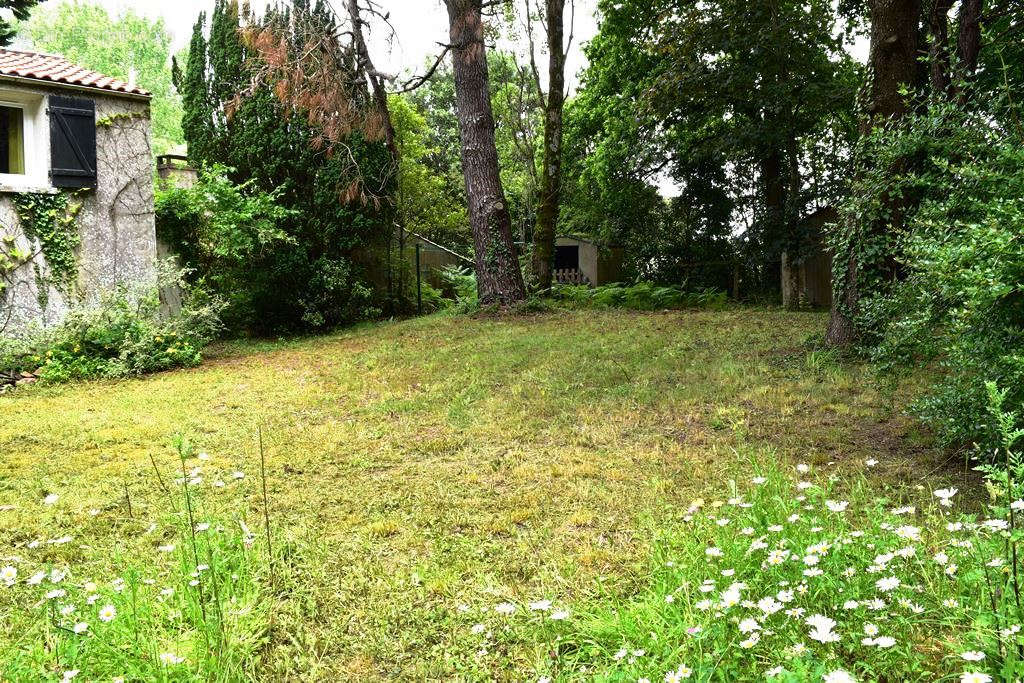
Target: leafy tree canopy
{"type": "Point", "coordinates": [748, 107]}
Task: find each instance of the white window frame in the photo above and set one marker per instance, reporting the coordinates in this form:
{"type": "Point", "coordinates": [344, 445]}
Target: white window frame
{"type": "Point", "coordinates": [35, 138]}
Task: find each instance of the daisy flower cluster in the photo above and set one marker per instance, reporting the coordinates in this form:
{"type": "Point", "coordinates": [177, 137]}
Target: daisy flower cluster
{"type": "Point", "coordinates": [149, 617]}
{"type": "Point", "coordinates": [807, 575]}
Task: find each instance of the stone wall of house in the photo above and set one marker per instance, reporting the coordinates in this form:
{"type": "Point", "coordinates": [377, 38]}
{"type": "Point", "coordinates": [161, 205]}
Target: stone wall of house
{"type": "Point", "coordinates": [115, 224]}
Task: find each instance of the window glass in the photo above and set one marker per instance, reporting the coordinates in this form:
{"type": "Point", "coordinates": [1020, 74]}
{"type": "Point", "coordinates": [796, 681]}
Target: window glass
{"type": "Point", "coordinates": [12, 140]}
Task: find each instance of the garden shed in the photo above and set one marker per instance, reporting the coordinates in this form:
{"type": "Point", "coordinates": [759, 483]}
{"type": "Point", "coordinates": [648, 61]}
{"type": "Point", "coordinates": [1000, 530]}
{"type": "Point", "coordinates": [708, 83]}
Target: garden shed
{"type": "Point", "coordinates": [76, 188]}
{"type": "Point", "coordinates": [579, 260]}
{"type": "Point", "coordinates": [808, 281]}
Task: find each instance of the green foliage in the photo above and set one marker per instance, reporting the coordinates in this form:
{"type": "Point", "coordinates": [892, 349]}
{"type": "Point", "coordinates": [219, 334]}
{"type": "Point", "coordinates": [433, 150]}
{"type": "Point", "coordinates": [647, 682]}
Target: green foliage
{"type": "Point", "coordinates": [728, 98]}
{"type": "Point", "coordinates": [20, 10]}
{"type": "Point", "coordinates": [433, 299]}
{"type": "Point", "coordinates": [51, 220]}
{"type": "Point", "coordinates": [958, 307]}
{"type": "Point", "coordinates": [197, 114]}
{"type": "Point", "coordinates": [219, 230]}
{"type": "Point", "coordinates": [125, 334]}
{"type": "Point", "coordinates": [321, 278]}
{"type": "Point", "coordinates": [12, 257]}
{"type": "Point", "coordinates": [463, 283]}
{"type": "Point", "coordinates": [125, 47]}
{"type": "Point", "coordinates": [427, 204]}
{"type": "Point", "coordinates": [642, 296]}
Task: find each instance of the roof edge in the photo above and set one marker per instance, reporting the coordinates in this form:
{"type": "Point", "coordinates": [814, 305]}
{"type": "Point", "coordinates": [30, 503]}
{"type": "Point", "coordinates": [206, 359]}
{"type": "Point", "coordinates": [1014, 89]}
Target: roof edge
{"type": "Point", "coordinates": [47, 82]}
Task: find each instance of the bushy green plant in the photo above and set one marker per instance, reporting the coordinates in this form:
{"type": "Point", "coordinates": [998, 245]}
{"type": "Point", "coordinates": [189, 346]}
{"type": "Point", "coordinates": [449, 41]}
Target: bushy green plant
{"type": "Point", "coordinates": [463, 283]}
{"type": "Point", "coordinates": [124, 334]}
{"type": "Point", "coordinates": [642, 296]}
{"type": "Point", "coordinates": [219, 230]}
{"type": "Point", "coordinates": [433, 299]}
{"type": "Point", "coordinates": [959, 306]}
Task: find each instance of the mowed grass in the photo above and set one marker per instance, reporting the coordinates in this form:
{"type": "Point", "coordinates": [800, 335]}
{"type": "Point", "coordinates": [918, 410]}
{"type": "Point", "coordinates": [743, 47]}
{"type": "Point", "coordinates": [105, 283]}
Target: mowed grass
{"type": "Point", "coordinates": [416, 466]}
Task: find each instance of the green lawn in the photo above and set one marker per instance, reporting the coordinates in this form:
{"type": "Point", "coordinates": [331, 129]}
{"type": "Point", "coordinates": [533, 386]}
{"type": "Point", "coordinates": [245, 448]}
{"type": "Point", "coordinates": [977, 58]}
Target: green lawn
{"type": "Point", "coordinates": [416, 466]}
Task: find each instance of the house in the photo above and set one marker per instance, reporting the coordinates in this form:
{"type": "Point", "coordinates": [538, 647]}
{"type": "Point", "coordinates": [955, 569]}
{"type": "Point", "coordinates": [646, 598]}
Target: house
{"type": "Point", "coordinates": [76, 188]}
{"type": "Point", "coordinates": [808, 281]}
{"type": "Point", "coordinates": [582, 261]}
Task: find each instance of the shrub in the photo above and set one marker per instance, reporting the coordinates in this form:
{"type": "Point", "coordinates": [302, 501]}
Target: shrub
{"type": "Point", "coordinates": [959, 307]}
{"type": "Point", "coordinates": [463, 283]}
{"type": "Point", "coordinates": [220, 231]}
{"type": "Point", "coordinates": [643, 296]}
{"type": "Point", "coordinates": [124, 334]}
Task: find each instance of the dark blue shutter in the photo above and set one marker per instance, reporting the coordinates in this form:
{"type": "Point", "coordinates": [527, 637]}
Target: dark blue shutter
{"type": "Point", "coordinates": [72, 142]}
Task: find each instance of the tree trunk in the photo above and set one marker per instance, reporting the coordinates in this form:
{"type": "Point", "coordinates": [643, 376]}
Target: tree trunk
{"type": "Point", "coordinates": [550, 196]}
{"type": "Point", "coordinates": [795, 245]}
{"type": "Point", "coordinates": [938, 48]}
{"type": "Point", "coordinates": [498, 277]}
{"type": "Point", "coordinates": [895, 29]}
{"type": "Point", "coordinates": [377, 90]}
{"type": "Point", "coordinates": [969, 39]}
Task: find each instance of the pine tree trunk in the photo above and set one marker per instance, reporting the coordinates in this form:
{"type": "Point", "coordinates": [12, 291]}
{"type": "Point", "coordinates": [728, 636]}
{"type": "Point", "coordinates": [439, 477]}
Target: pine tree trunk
{"type": "Point", "coordinates": [895, 31]}
{"type": "Point", "coordinates": [550, 197]}
{"type": "Point", "coordinates": [498, 277]}
{"type": "Point", "coordinates": [969, 38]}
{"type": "Point", "coordinates": [773, 189]}
{"type": "Point", "coordinates": [795, 245]}
{"type": "Point", "coordinates": [938, 26]}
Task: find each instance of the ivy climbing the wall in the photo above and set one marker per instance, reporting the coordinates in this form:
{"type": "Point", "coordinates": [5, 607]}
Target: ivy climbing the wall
{"type": "Point", "coordinates": [11, 258]}
{"type": "Point", "coordinates": [51, 220]}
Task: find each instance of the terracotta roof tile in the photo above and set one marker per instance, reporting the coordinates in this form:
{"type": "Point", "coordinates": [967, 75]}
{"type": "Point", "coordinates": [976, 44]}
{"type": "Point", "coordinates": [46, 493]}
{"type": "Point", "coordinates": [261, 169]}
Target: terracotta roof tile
{"type": "Point", "coordinates": [57, 69]}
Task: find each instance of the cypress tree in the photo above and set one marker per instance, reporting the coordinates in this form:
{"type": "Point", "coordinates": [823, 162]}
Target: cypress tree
{"type": "Point", "coordinates": [317, 282]}
{"type": "Point", "coordinates": [197, 114]}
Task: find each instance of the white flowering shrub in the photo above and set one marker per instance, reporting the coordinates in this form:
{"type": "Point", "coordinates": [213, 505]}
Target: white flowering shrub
{"type": "Point", "coordinates": [198, 612]}
{"type": "Point", "coordinates": [804, 575]}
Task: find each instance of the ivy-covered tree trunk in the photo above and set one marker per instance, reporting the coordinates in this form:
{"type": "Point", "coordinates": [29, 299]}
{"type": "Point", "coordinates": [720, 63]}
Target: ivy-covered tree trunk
{"type": "Point", "coordinates": [499, 279]}
{"type": "Point", "coordinates": [893, 68]}
{"type": "Point", "coordinates": [551, 184]}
